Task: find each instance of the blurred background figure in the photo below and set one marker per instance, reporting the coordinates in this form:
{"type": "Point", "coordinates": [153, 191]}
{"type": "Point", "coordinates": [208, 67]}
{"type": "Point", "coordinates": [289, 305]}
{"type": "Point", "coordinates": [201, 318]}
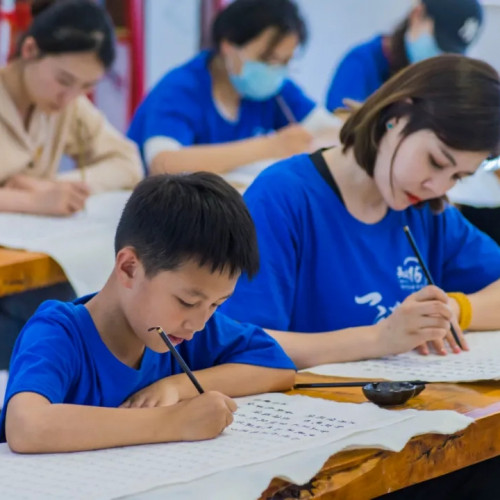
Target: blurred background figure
{"type": "Point", "coordinates": [432, 27]}
{"type": "Point", "coordinates": [478, 198]}
{"type": "Point", "coordinates": [235, 104]}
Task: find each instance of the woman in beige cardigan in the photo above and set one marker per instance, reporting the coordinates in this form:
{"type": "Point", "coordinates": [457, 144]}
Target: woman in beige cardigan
{"type": "Point", "coordinates": [44, 114]}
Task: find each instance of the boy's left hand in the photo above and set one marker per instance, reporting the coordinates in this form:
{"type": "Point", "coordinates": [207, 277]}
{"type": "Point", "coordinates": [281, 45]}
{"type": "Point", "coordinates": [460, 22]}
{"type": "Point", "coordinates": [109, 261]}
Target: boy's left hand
{"type": "Point", "coordinates": [161, 393]}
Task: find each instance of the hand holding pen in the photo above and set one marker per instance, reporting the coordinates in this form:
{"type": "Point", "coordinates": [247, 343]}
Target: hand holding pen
{"type": "Point", "coordinates": [201, 417]}
{"type": "Point", "coordinates": [424, 316]}
{"type": "Point", "coordinates": [454, 335]}
{"type": "Point", "coordinates": [292, 138]}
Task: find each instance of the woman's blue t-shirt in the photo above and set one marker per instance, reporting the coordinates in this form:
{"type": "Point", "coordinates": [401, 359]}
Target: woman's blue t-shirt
{"type": "Point", "coordinates": [363, 70]}
{"type": "Point", "coordinates": [323, 270]}
{"type": "Point", "coordinates": [181, 107]}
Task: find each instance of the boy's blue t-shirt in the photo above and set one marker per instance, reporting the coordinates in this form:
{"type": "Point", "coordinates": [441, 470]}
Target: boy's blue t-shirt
{"type": "Point", "coordinates": [61, 356]}
{"type": "Point", "coordinates": [362, 71]}
{"type": "Point", "coordinates": [323, 270]}
{"type": "Point", "coordinates": [181, 107]}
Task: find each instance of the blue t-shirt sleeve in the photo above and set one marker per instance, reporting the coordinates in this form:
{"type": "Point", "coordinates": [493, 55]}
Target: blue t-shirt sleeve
{"type": "Point", "coordinates": [226, 341]}
{"type": "Point", "coordinates": [173, 113]}
{"type": "Point", "coordinates": [268, 299]}
{"type": "Point", "coordinates": [44, 361]}
{"type": "Point", "coordinates": [351, 81]}
{"type": "Point", "coordinates": [471, 259]}
{"type": "Point", "coordinates": [299, 103]}
{"type": "Point", "coordinates": [171, 110]}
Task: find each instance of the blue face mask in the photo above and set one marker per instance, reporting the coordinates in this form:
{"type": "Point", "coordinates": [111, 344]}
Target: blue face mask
{"type": "Point", "coordinates": [423, 47]}
{"type": "Point", "coordinates": [259, 81]}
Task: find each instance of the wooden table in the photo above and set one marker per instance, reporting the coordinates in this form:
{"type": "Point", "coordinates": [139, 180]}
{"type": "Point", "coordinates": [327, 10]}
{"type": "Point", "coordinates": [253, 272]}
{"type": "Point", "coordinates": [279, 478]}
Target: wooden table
{"type": "Point", "coordinates": [364, 474]}
{"type": "Point", "coordinates": [21, 271]}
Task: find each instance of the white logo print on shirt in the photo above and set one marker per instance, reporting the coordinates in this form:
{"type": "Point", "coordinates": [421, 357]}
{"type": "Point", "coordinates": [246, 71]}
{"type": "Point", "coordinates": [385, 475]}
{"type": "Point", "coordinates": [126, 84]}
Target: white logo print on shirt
{"type": "Point", "coordinates": [410, 275]}
{"type": "Point", "coordinates": [374, 299]}
{"type": "Point", "coordinates": [411, 278]}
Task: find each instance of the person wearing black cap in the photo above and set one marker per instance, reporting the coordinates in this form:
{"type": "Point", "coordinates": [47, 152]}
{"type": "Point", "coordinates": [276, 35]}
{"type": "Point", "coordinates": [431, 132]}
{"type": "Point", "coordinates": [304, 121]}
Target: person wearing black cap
{"type": "Point", "coordinates": [432, 27]}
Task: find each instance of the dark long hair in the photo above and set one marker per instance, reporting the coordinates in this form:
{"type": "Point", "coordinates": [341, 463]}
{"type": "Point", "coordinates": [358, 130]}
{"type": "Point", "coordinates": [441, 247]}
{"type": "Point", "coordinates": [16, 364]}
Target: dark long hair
{"type": "Point", "coordinates": [64, 26]}
{"type": "Point", "coordinates": [399, 59]}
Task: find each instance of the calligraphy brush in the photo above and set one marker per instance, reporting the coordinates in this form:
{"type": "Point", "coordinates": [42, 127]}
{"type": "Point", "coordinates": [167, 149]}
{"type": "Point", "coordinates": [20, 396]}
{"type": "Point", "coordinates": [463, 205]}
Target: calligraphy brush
{"type": "Point", "coordinates": [178, 357]}
{"type": "Point", "coordinates": [427, 275]}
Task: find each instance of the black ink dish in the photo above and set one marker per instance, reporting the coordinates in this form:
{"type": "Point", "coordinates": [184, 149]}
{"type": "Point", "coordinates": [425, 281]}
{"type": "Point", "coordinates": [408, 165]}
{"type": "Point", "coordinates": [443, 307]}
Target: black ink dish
{"type": "Point", "coordinates": [391, 393]}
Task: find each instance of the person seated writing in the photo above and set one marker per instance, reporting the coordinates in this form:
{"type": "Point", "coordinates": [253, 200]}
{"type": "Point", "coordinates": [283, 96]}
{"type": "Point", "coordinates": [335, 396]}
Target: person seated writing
{"type": "Point", "coordinates": [339, 280]}
{"type": "Point", "coordinates": [45, 115]}
{"type": "Point", "coordinates": [89, 374]}
{"type": "Point", "coordinates": [234, 105]}
{"type": "Point", "coordinates": [432, 27]}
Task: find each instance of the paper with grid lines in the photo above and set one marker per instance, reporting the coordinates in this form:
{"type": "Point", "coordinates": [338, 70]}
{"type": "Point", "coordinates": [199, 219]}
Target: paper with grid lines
{"type": "Point", "coordinates": [481, 362]}
{"type": "Point", "coordinates": [265, 428]}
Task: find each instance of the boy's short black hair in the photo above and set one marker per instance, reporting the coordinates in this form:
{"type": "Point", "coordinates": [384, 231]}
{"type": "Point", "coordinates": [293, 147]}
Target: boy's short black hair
{"type": "Point", "coordinates": [170, 219]}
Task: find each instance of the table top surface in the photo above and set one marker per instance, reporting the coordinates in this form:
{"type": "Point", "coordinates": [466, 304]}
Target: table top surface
{"type": "Point", "coordinates": [367, 473]}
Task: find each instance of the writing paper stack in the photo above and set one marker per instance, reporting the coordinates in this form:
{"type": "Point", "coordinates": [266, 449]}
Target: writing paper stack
{"type": "Point", "coordinates": [481, 362]}
{"type": "Point", "coordinates": [269, 435]}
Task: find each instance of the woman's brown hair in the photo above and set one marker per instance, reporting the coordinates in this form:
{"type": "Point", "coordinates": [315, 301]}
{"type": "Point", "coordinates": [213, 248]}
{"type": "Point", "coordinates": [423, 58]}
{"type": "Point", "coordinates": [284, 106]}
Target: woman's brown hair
{"type": "Point", "coordinates": [399, 59]}
{"type": "Point", "coordinates": [456, 97]}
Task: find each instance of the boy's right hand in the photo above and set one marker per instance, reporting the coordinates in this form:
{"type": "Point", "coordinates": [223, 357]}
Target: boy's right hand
{"type": "Point", "coordinates": [205, 416]}
{"type": "Point", "coordinates": [290, 140]}
{"type": "Point", "coordinates": [60, 197]}
{"type": "Point", "coordinates": [422, 317]}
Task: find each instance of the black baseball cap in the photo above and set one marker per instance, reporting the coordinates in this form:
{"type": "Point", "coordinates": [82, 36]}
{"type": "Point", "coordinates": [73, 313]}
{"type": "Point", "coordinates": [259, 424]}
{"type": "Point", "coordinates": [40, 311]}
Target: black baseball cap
{"type": "Point", "coordinates": [456, 22]}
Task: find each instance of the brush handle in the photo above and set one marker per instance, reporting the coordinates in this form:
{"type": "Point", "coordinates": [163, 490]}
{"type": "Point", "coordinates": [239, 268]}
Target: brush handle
{"type": "Point", "coordinates": [354, 384]}
{"type": "Point", "coordinates": [181, 362]}
{"type": "Point", "coordinates": [427, 275]}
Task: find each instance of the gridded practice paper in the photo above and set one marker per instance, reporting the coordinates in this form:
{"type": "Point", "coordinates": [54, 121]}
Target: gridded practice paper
{"type": "Point", "coordinates": [265, 427]}
{"type": "Point", "coordinates": [481, 362]}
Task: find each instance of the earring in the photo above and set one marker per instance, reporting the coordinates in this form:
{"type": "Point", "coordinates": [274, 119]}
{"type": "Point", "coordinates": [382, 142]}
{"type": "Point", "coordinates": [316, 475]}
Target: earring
{"type": "Point", "coordinates": [390, 125]}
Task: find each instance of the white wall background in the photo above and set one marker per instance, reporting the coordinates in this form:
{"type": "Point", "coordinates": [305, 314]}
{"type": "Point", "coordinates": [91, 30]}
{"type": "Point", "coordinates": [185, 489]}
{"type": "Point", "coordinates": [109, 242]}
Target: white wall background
{"type": "Point", "coordinates": [172, 35]}
{"type": "Point", "coordinates": [335, 26]}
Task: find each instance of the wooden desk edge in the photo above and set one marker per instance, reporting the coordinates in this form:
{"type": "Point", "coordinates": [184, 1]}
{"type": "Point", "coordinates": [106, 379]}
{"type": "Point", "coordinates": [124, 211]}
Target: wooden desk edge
{"type": "Point", "coordinates": [367, 473]}
{"type": "Point", "coordinates": [21, 271]}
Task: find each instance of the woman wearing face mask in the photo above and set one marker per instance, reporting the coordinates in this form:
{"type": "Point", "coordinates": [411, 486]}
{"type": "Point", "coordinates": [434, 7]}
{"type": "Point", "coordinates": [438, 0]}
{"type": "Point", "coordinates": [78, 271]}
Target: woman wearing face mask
{"type": "Point", "coordinates": [44, 114]}
{"type": "Point", "coordinates": [338, 279]}
{"type": "Point", "coordinates": [432, 27]}
{"type": "Point", "coordinates": [234, 105]}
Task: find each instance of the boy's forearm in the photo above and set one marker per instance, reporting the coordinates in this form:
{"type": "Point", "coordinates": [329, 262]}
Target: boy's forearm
{"type": "Point", "coordinates": [53, 428]}
{"type": "Point", "coordinates": [235, 380]}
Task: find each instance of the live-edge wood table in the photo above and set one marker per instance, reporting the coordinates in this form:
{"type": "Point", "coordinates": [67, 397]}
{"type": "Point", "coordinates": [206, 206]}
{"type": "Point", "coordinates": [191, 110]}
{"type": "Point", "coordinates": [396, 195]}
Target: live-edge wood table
{"type": "Point", "coordinates": [367, 473]}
